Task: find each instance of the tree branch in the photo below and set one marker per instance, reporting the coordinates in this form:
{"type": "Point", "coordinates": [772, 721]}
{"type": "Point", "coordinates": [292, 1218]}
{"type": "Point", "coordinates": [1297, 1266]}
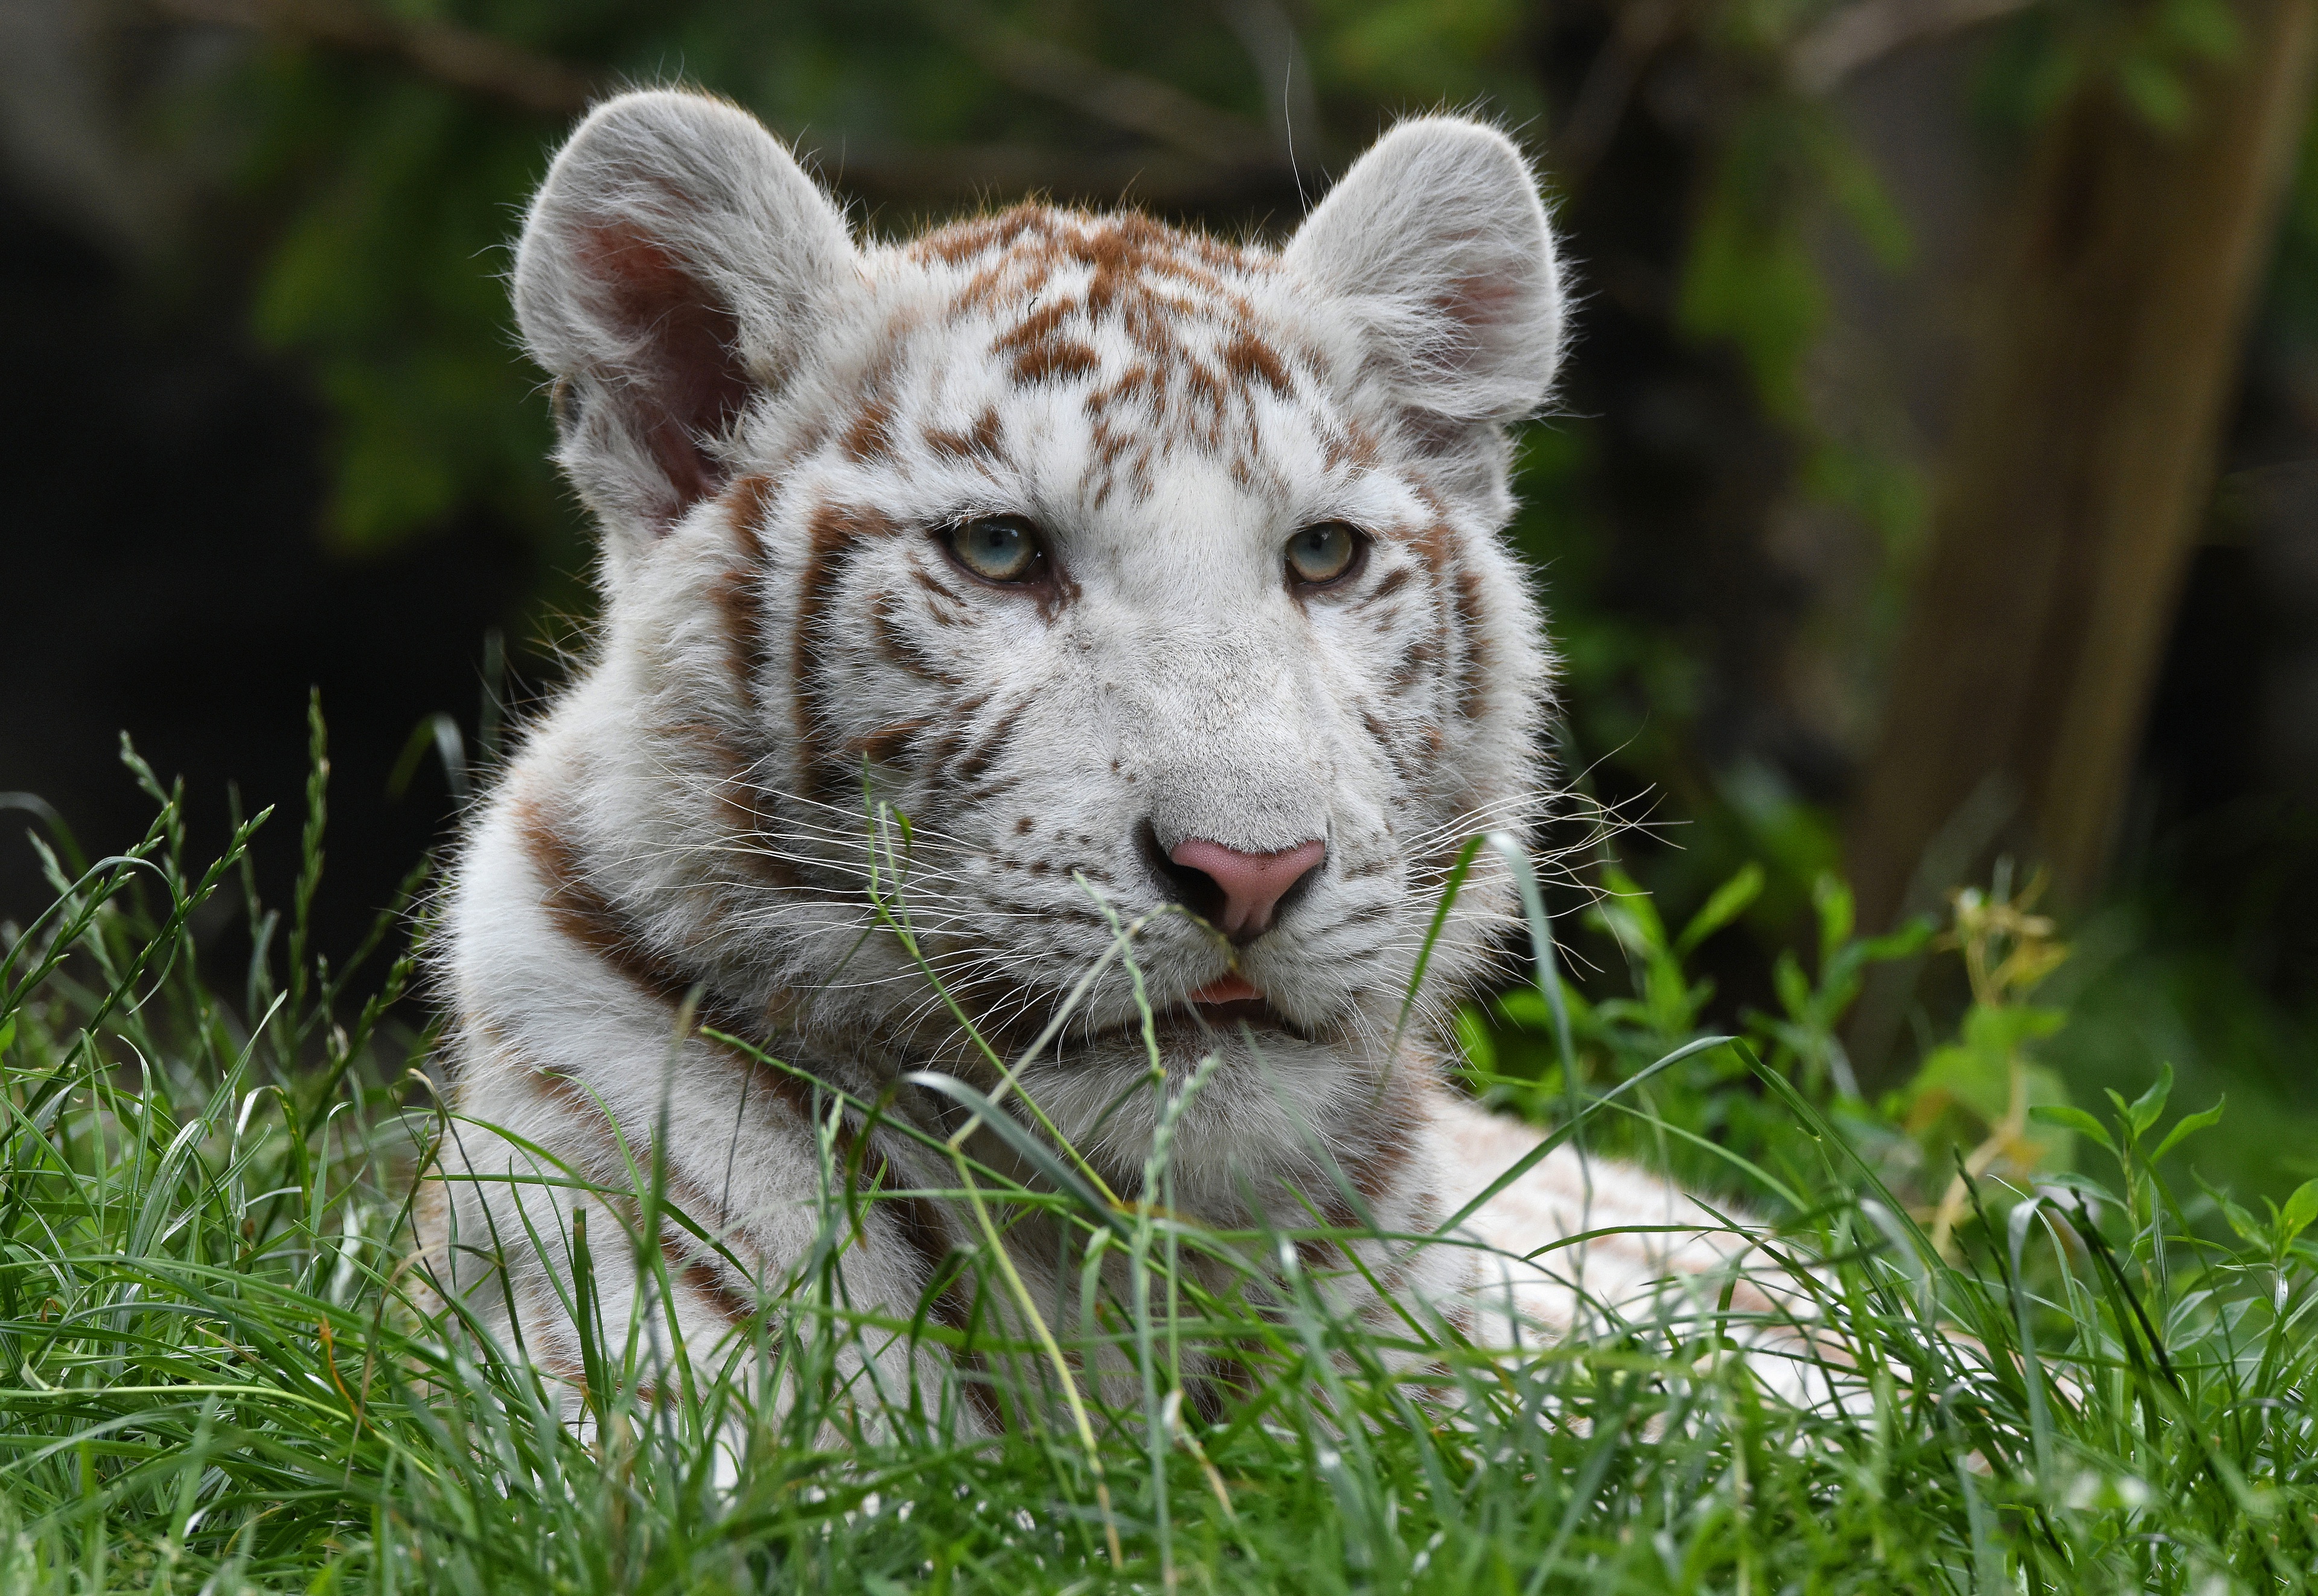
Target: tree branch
{"type": "Point", "coordinates": [1210, 168]}
{"type": "Point", "coordinates": [1866, 33]}
{"type": "Point", "coordinates": [459, 57]}
{"type": "Point", "coordinates": [1125, 100]}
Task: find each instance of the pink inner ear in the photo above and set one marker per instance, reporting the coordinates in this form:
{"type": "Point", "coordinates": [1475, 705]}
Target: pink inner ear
{"type": "Point", "coordinates": [684, 385]}
{"type": "Point", "coordinates": [1476, 301]}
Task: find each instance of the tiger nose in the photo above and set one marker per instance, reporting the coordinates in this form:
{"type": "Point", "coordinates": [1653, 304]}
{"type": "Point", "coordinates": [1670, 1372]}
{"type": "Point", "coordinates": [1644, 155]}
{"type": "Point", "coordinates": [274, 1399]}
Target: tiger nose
{"type": "Point", "coordinates": [1252, 883]}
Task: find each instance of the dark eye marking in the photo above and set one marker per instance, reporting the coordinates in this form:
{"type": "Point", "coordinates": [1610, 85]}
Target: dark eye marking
{"type": "Point", "coordinates": [1004, 550]}
{"type": "Point", "coordinates": [1326, 554]}
{"type": "Point", "coordinates": [1392, 582]}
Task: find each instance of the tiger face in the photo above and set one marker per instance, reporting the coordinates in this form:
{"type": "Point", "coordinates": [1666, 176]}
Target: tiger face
{"type": "Point", "coordinates": [1050, 621]}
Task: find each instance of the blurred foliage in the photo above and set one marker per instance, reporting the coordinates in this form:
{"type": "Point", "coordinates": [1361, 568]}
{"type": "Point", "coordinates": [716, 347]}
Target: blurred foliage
{"type": "Point", "coordinates": [385, 277]}
{"type": "Point", "coordinates": [1986, 1119]}
{"type": "Point", "coordinates": [392, 198]}
{"type": "Point", "coordinates": [1700, 172]}
{"type": "Point", "coordinates": [2147, 53]}
{"type": "Point", "coordinates": [395, 197]}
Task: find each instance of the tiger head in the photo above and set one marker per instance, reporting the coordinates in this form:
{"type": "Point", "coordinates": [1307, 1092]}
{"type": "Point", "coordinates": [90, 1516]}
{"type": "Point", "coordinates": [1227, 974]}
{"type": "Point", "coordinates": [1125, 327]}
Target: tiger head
{"type": "Point", "coordinates": [1052, 617]}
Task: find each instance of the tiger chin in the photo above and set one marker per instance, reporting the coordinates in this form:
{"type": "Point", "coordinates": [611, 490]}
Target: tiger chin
{"type": "Point", "coordinates": [1057, 655]}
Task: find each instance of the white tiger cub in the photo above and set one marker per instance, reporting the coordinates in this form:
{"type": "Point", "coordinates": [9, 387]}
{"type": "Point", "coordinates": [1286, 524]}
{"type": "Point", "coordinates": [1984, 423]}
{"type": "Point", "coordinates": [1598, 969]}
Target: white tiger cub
{"type": "Point", "coordinates": [1136, 569]}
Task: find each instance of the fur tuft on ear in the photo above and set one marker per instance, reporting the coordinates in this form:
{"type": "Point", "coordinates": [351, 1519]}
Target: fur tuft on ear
{"type": "Point", "coordinates": [676, 262]}
{"type": "Point", "coordinates": [1438, 243]}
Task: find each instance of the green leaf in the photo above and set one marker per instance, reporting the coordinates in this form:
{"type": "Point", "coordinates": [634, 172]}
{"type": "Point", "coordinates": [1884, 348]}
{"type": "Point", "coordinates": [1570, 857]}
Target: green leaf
{"type": "Point", "coordinates": [2074, 1119]}
{"type": "Point", "coordinates": [1831, 897]}
{"type": "Point", "coordinates": [2188, 1126]}
{"type": "Point", "coordinates": [2151, 1103]}
{"type": "Point", "coordinates": [2155, 90]}
{"type": "Point", "coordinates": [1729, 901]}
{"type": "Point", "coordinates": [1906, 942]}
{"type": "Point", "coordinates": [1632, 917]}
{"type": "Point", "coordinates": [1026, 1146]}
{"type": "Point", "coordinates": [2207, 28]}
{"type": "Point", "coordinates": [2000, 1031]}
{"type": "Point", "coordinates": [7, 1032]}
{"type": "Point", "coordinates": [1524, 1006]}
{"type": "Point", "coordinates": [2248, 1227]}
{"type": "Point", "coordinates": [1474, 1041]}
{"type": "Point", "coordinates": [2300, 1209]}
{"type": "Point", "coordinates": [1794, 987]}
{"type": "Point", "coordinates": [1973, 1076]}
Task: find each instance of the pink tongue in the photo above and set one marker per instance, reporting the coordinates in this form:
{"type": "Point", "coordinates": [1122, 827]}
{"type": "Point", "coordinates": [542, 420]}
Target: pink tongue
{"type": "Point", "coordinates": [1234, 987]}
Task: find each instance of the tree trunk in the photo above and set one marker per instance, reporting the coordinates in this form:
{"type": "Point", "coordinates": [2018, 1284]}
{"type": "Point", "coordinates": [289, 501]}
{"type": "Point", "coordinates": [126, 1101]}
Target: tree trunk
{"type": "Point", "coordinates": [2077, 476]}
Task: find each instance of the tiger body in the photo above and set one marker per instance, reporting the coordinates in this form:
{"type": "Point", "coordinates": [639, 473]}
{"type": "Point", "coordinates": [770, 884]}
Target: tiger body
{"type": "Point", "coordinates": [782, 433]}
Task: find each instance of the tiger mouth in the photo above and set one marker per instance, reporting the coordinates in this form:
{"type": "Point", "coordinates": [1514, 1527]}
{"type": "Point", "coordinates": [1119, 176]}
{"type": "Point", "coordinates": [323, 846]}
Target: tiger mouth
{"type": "Point", "coordinates": [1201, 1023]}
{"type": "Point", "coordinates": [1222, 1006]}
{"type": "Point", "coordinates": [1197, 1020]}
{"type": "Point", "coordinates": [1229, 1001]}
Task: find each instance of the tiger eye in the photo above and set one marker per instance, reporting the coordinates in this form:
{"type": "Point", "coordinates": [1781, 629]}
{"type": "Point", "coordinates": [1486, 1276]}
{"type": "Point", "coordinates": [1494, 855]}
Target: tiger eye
{"type": "Point", "coordinates": [1323, 553]}
{"type": "Point", "coordinates": [997, 547]}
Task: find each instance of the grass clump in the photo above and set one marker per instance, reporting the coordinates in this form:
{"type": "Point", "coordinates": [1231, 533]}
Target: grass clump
{"type": "Point", "coordinates": [216, 1372]}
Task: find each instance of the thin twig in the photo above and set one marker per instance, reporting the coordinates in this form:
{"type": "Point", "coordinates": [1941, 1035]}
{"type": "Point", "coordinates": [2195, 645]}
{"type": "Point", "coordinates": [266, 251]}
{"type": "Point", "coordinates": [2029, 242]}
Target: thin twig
{"type": "Point", "coordinates": [1860, 35]}
{"type": "Point", "coordinates": [476, 63]}
{"type": "Point", "coordinates": [1125, 100]}
{"type": "Point", "coordinates": [446, 51]}
{"type": "Point", "coordinates": [1644, 27]}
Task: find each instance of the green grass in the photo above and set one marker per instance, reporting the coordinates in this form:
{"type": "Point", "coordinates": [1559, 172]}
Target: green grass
{"type": "Point", "coordinates": [214, 1375]}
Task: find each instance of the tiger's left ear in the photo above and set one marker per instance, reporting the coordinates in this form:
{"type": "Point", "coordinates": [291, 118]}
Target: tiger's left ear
{"type": "Point", "coordinates": [676, 263]}
{"type": "Point", "coordinates": [1437, 243]}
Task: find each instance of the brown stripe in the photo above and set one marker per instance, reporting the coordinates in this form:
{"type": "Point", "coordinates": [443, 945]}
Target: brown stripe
{"type": "Point", "coordinates": [921, 1226]}
{"type": "Point", "coordinates": [580, 912]}
{"type": "Point", "coordinates": [1319, 1256]}
{"type": "Point", "coordinates": [1056, 360]}
{"type": "Point", "coordinates": [925, 1232]}
{"type": "Point", "coordinates": [1472, 683]}
{"type": "Point", "coordinates": [598, 1155]}
{"type": "Point", "coordinates": [934, 585]}
{"type": "Point", "coordinates": [980, 442]}
{"type": "Point", "coordinates": [885, 744]}
{"type": "Point", "coordinates": [921, 1229]}
{"type": "Point", "coordinates": [898, 649]}
{"type": "Point", "coordinates": [989, 745]}
{"type": "Point", "coordinates": [871, 435]}
{"type": "Point", "coordinates": [601, 1163]}
{"type": "Point", "coordinates": [1417, 662]}
{"type": "Point", "coordinates": [1248, 359]}
{"type": "Point", "coordinates": [583, 915]}
{"type": "Point", "coordinates": [706, 1281]}
{"type": "Point", "coordinates": [961, 241]}
{"type": "Point", "coordinates": [831, 530]}
{"type": "Point", "coordinates": [735, 594]}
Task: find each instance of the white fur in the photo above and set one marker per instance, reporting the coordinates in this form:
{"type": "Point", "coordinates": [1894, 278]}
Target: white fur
{"type": "Point", "coordinates": [784, 645]}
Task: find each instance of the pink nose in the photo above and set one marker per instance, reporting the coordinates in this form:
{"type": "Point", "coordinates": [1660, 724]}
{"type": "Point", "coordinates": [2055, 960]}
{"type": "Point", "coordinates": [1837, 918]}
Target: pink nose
{"type": "Point", "coordinates": [1252, 883]}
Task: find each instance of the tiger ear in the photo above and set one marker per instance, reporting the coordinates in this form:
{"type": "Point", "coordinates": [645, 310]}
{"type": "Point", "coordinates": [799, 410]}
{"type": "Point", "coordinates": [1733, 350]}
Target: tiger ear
{"type": "Point", "coordinates": [1438, 243]}
{"type": "Point", "coordinates": [675, 263]}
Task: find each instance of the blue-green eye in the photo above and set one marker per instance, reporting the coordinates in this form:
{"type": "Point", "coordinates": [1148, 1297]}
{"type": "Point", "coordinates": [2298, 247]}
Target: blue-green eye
{"type": "Point", "coordinates": [1323, 553]}
{"type": "Point", "coordinates": [998, 548]}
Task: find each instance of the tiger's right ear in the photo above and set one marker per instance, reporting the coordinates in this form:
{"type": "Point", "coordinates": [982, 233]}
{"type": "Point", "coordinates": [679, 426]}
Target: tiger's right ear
{"type": "Point", "coordinates": [676, 263]}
